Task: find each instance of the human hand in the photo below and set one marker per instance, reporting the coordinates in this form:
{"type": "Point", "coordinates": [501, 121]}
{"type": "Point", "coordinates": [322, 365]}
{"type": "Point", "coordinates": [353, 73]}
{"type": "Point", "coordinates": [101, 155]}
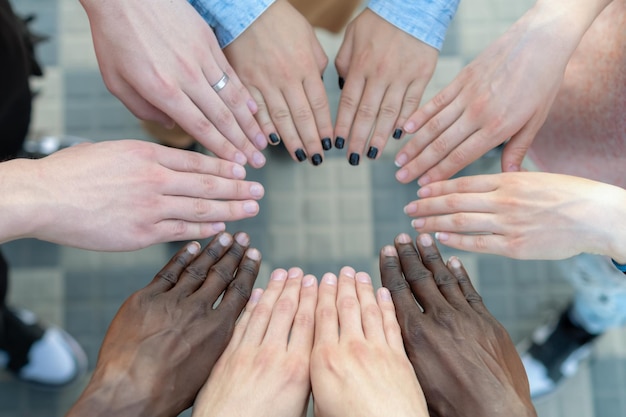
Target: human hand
{"type": "Point", "coordinates": [164, 340]}
{"type": "Point", "coordinates": [126, 195]}
{"type": "Point", "coordinates": [358, 364]}
{"type": "Point", "coordinates": [281, 62]}
{"type": "Point", "coordinates": [268, 357]}
{"type": "Point", "coordinates": [524, 215]}
{"type": "Point", "coordinates": [161, 62]}
{"type": "Point", "coordinates": [506, 92]}
{"type": "Point", "coordinates": [385, 71]}
{"type": "Point", "coordinates": [464, 359]}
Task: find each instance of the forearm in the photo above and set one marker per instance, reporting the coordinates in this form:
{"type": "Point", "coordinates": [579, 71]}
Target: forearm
{"type": "Point", "coordinates": [427, 21]}
{"type": "Point", "coordinates": [230, 18]}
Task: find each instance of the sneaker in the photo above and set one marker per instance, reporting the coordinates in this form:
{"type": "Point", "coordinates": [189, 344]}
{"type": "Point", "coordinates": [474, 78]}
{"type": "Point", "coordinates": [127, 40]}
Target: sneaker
{"type": "Point", "coordinates": [555, 353]}
{"type": "Point", "coordinates": [47, 357]}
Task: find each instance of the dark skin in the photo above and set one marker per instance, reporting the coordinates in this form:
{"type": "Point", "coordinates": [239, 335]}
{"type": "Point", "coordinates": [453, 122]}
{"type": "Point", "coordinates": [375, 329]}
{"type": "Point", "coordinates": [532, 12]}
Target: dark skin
{"type": "Point", "coordinates": [463, 357]}
{"type": "Point", "coordinates": [162, 344]}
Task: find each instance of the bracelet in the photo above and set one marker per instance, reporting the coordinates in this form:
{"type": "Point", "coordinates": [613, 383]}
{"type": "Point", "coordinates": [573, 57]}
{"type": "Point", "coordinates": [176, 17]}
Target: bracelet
{"type": "Point", "coordinates": [619, 266]}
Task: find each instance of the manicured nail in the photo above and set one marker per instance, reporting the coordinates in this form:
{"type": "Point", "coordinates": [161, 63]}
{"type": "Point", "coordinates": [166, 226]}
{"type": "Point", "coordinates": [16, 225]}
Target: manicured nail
{"type": "Point", "coordinates": [326, 144]}
{"type": "Point", "coordinates": [274, 139]}
{"type": "Point", "coordinates": [316, 159]}
{"type": "Point", "coordinates": [385, 295]}
{"type": "Point", "coordinates": [193, 248]}
{"type": "Point", "coordinates": [259, 159]}
{"type": "Point", "coordinates": [250, 207]}
{"type": "Point", "coordinates": [300, 155]}
{"type": "Point", "coordinates": [253, 254]}
{"type": "Point", "coordinates": [417, 223]}
{"type": "Point", "coordinates": [279, 275]}
{"type": "Point", "coordinates": [442, 236]}
{"type": "Point", "coordinates": [242, 238]}
{"type": "Point", "coordinates": [308, 281]}
{"type": "Point", "coordinates": [339, 142]}
{"type": "Point", "coordinates": [401, 160]}
{"type": "Point", "coordinates": [363, 278]}
{"type": "Point", "coordinates": [239, 172]}
{"type": "Point", "coordinates": [373, 151]}
{"type": "Point", "coordinates": [354, 159]}
{"type": "Point", "coordinates": [426, 240]}
{"type": "Point", "coordinates": [397, 134]}
{"type": "Point", "coordinates": [256, 190]}
{"type": "Point", "coordinates": [403, 238]}
{"type": "Point", "coordinates": [341, 82]}
{"type": "Point", "coordinates": [225, 239]}
{"type": "Point", "coordinates": [330, 279]}
{"type": "Point", "coordinates": [256, 295]}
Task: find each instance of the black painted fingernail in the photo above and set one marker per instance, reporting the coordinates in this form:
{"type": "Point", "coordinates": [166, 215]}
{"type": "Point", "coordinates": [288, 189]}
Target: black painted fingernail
{"type": "Point", "coordinates": [300, 155]}
{"type": "Point", "coordinates": [397, 134]}
{"type": "Point", "coordinates": [373, 151]}
{"type": "Point", "coordinates": [341, 83]}
{"type": "Point", "coordinates": [326, 144]}
{"type": "Point", "coordinates": [354, 159]}
{"type": "Point", "coordinates": [274, 139]}
{"type": "Point", "coordinates": [316, 159]}
{"type": "Point", "coordinates": [339, 142]}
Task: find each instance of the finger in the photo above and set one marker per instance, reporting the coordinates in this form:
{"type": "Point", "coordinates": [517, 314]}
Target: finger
{"type": "Point", "coordinates": [263, 117]}
{"type": "Point", "coordinates": [260, 317]}
{"type": "Point", "coordinates": [168, 276]}
{"type": "Point", "coordinates": [469, 292]}
{"type": "Point", "coordinates": [211, 187]}
{"type": "Point", "coordinates": [326, 317]}
{"type": "Point", "coordinates": [411, 102]}
{"type": "Point", "coordinates": [304, 119]}
{"type": "Point", "coordinates": [243, 321]}
{"type": "Point", "coordinates": [420, 279]}
{"type": "Point", "coordinates": [195, 273]}
{"type": "Point", "coordinates": [181, 230]}
{"type": "Point", "coordinates": [240, 289]}
{"type": "Point", "coordinates": [282, 118]}
{"type": "Point", "coordinates": [315, 91]}
{"type": "Point", "coordinates": [348, 104]}
{"type": "Point", "coordinates": [138, 106]}
{"type": "Point", "coordinates": [284, 310]}
{"type": "Point", "coordinates": [434, 106]}
{"type": "Point", "coordinates": [371, 316]}
{"type": "Point", "coordinates": [199, 210]}
{"type": "Point", "coordinates": [195, 162]}
{"type": "Point", "coordinates": [303, 328]}
{"type": "Point", "coordinates": [386, 120]}
{"type": "Point", "coordinates": [459, 223]}
{"type": "Point", "coordinates": [470, 184]}
{"type": "Point", "coordinates": [393, 335]}
{"type": "Point", "coordinates": [445, 280]}
{"type": "Point", "coordinates": [348, 307]}
{"type": "Point", "coordinates": [365, 117]}
{"type": "Point", "coordinates": [516, 148]}
{"type": "Point", "coordinates": [494, 244]}
{"type": "Point", "coordinates": [451, 204]}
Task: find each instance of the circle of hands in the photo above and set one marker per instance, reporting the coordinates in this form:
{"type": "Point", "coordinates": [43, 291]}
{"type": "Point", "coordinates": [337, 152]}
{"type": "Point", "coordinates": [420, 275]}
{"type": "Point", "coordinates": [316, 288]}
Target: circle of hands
{"type": "Point", "coordinates": [199, 334]}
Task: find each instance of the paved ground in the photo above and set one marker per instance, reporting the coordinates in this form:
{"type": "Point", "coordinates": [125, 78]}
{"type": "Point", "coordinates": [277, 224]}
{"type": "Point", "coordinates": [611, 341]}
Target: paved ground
{"type": "Point", "coordinates": [317, 218]}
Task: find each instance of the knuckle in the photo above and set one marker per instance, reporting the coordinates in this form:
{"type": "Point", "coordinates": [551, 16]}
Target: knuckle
{"type": "Point", "coordinates": [366, 111]}
{"type": "Point", "coordinates": [241, 288]}
{"type": "Point", "coordinates": [223, 273]}
{"type": "Point", "coordinates": [196, 273]}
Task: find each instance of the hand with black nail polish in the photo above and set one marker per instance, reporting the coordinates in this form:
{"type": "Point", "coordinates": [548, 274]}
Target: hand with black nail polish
{"type": "Point", "coordinates": [280, 60]}
{"type": "Point", "coordinates": [462, 356]}
{"type": "Point", "coordinates": [383, 73]}
{"type": "Point", "coordinates": [162, 344]}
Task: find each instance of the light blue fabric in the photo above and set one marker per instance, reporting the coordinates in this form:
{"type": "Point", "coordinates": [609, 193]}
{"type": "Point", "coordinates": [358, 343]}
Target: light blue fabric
{"type": "Point", "coordinates": [229, 18]}
{"type": "Point", "coordinates": [427, 20]}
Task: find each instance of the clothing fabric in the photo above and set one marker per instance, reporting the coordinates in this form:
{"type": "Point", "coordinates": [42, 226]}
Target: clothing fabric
{"type": "Point", "coordinates": [427, 20]}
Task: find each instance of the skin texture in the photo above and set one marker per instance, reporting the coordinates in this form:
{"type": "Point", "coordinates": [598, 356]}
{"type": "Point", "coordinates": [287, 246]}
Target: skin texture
{"type": "Point", "coordinates": [123, 195]}
{"type": "Point", "coordinates": [280, 61]}
{"type": "Point", "coordinates": [358, 363]}
{"type": "Point", "coordinates": [524, 215]}
{"type": "Point", "coordinates": [165, 338]}
{"type": "Point", "coordinates": [268, 356]}
{"type": "Point", "coordinates": [464, 359]}
{"type": "Point", "coordinates": [165, 74]}
{"type": "Point", "coordinates": [501, 94]}
{"type": "Point", "coordinates": [385, 77]}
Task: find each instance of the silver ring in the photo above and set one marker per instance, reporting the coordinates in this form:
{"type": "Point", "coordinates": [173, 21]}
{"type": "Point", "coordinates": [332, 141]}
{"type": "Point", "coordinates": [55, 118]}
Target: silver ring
{"type": "Point", "coordinates": [218, 86]}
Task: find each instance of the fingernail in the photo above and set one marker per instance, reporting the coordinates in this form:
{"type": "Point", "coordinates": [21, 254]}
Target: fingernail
{"type": "Point", "coordinates": [425, 180]}
{"type": "Point", "coordinates": [341, 82]}
{"type": "Point", "coordinates": [397, 134]}
{"type": "Point", "coordinates": [442, 236]}
{"type": "Point", "coordinates": [256, 190]}
{"type": "Point", "coordinates": [402, 175]}
{"type": "Point", "coordinates": [424, 192]}
{"type": "Point", "coordinates": [410, 126]}
{"type": "Point", "coordinates": [326, 144]}
{"type": "Point", "coordinates": [403, 238]}
{"type": "Point", "coordinates": [373, 151]}
{"type": "Point", "coordinates": [417, 223]}
{"type": "Point", "coordinates": [252, 106]}
{"type": "Point", "coordinates": [385, 295]}
{"type": "Point", "coordinates": [330, 279]}
{"type": "Point", "coordinates": [258, 158]}
{"type": "Point", "coordinates": [225, 239]}
{"type": "Point", "coordinates": [300, 155]}
{"type": "Point", "coordinates": [354, 159]}
{"type": "Point", "coordinates": [242, 238]}
{"type": "Point", "coordinates": [279, 275]}
{"type": "Point", "coordinates": [316, 159]}
{"type": "Point", "coordinates": [260, 140]}
{"type": "Point", "coordinates": [389, 250]}
{"type": "Point", "coordinates": [256, 295]}
{"type": "Point", "coordinates": [250, 207]}
{"type": "Point", "coordinates": [348, 271]}
{"type": "Point", "coordinates": [410, 209]}
{"type": "Point", "coordinates": [401, 159]}
{"type": "Point", "coordinates": [253, 254]}
{"type": "Point", "coordinates": [193, 248]}
{"type": "Point", "coordinates": [218, 227]}
{"type": "Point", "coordinates": [364, 278]}
{"type": "Point", "coordinates": [513, 168]}
{"type": "Point", "coordinates": [455, 262]}
{"type": "Point", "coordinates": [241, 158]}
{"type": "Point", "coordinates": [294, 273]}
{"type": "Point", "coordinates": [239, 172]}
{"type": "Point", "coordinates": [426, 240]}
{"type": "Point", "coordinates": [339, 142]}
{"type": "Point", "coordinates": [274, 139]}
{"type": "Point", "coordinates": [308, 281]}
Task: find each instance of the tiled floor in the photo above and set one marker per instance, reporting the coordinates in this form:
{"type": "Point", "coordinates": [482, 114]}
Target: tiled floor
{"type": "Point", "coordinates": [317, 218]}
